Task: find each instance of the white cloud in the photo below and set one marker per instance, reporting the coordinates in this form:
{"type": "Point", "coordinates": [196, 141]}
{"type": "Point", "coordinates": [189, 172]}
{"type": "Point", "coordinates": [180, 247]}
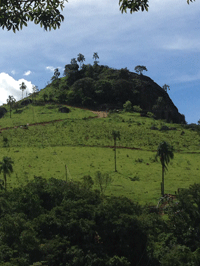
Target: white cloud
{"type": "Point", "coordinates": [50, 68]}
{"type": "Point", "coordinates": [13, 72]}
{"type": "Point", "coordinates": [10, 86]}
{"type": "Point", "coordinates": [27, 73]}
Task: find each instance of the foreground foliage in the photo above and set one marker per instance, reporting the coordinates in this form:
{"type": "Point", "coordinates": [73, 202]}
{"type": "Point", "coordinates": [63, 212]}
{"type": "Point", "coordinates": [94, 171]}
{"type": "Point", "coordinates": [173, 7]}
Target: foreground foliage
{"type": "Point", "coordinates": [58, 223]}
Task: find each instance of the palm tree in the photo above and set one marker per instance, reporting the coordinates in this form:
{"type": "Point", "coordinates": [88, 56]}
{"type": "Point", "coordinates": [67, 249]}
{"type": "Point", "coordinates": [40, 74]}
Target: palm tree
{"type": "Point", "coordinates": [80, 59]}
{"type": "Point", "coordinates": [95, 57]}
{"type": "Point", "coordinates": [115, 134]}
{"type": "Point", "coordinates": [165, 152]}
{"type": "Point", "coordinates": [6, 168]}
{"type": "Point", "coordinates": [11, 100]}
{"type": "Point", "coordinates": [166, 87]}
{"type": "Point", "coordinates": [22, 87]}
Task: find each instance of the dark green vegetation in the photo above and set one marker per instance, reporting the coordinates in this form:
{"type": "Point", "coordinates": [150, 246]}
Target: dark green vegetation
{"type": "Point", "coordinates": [66, 204]}
{"type": "Point", "coordinates": [66, 223]}
{"type": "Point", "coordinates": [102, 88]}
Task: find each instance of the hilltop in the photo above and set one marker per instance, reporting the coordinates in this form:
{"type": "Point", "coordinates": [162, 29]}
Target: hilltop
{"type": "Point", "coordinates": [100, 87]}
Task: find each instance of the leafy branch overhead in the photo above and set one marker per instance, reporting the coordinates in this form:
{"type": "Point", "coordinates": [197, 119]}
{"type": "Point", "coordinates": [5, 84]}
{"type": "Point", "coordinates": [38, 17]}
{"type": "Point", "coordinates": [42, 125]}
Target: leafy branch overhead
{"type": "Point", "coordinates": [136, 5]}
{"type": "Point", "coordinates": [15, 14]}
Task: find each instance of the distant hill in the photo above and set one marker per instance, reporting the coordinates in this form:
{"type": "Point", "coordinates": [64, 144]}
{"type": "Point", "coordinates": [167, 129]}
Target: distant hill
{"type": "Point", "coordinates": [102, 88]}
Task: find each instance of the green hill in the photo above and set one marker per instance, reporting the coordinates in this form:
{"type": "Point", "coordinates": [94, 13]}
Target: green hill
{"type": "Point", "coordinates": [102, 88]}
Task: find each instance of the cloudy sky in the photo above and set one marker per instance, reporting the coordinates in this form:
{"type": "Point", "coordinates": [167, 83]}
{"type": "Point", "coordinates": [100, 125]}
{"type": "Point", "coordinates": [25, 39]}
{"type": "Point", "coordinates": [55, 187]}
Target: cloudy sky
{"type": "Point", "coordinates": [166, 40]}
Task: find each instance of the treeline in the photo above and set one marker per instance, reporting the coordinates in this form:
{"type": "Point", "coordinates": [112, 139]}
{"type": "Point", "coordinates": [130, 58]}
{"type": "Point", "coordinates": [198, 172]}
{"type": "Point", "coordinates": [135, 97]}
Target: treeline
{"type": "Point", "coordinates": [54, 222]}
{"type": "Point", "coordinates": [93, 85]}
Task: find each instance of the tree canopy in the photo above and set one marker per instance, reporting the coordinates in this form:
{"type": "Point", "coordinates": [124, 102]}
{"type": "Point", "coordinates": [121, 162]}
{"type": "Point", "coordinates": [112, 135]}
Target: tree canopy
{"type": "Point", "coordinates": [15, 14]}
{"type": "Point", "coordinates": [136, 5]}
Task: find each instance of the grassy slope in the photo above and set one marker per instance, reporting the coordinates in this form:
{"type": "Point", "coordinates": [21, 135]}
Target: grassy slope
{"type": "Point", "coordinates": [45, 150]}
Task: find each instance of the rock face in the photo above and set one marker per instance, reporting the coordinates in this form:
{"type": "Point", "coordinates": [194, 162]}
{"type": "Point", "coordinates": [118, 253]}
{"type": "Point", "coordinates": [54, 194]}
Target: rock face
{"type": "Point", "coordinates": [26, 102]}
{"type": "Point", "coordinates": [149, 93]}
{"type": "Point", "coordinates": [64, 109]}
{"type": "Point", "coordinates": [2, 111]}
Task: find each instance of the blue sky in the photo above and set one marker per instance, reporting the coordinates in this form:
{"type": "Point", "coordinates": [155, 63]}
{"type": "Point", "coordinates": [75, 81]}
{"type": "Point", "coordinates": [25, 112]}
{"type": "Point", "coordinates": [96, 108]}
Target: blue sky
{"type": "Point", "coordinates": [166, 40]}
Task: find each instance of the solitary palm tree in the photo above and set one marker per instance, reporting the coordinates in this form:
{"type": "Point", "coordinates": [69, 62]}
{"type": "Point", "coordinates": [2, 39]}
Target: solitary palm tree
{"type": "Point", "coordinates": [165, 152]}
{"type": "Point", "coordinates": [6, 168]}
{"type": "Point", "coordinates": [95, 57]}
{"type": "Point", "coordinates": [80, 59]}
{"type": "Point", "coordinates": [115, 134]}
{"type": "Point", "coordinates": [22, 87]}
{"type": "Point", "coordinates": [11, 100]}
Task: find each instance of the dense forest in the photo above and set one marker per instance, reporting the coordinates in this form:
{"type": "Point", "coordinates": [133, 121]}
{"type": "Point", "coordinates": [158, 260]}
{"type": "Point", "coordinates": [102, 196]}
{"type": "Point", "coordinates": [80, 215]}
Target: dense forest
{"type": "Point", "coordinates": [54, 222]}
{"type": "Point", "coordinates": [103, 88]}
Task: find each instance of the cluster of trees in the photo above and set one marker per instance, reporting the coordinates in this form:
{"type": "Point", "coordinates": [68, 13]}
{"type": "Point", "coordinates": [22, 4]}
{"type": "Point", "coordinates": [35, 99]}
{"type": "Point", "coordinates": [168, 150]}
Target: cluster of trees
{"type": "Point", "coordinates": [54, 222]}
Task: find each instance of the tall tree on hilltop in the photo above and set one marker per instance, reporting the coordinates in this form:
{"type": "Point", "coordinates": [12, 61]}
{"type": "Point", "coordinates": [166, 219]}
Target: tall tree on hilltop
{"type": "Point", "coordinates": [116, 135]}
{"type": "Point", "coordinates": [166, 87]}
{"type": "Point", "coordinates": [56, 74]}
{"type": "Point", "coordinates": [11, 100]}
{"type": "Point", "coordinates": [22, 87]}
{"type": "Point", "coordinates": [95, 57]}
{"type": "Point", "coordinates": [7, 168]}
{"type": "Point", "coordinates": [165, 152]}
{"type": "Point", "coordinates": [139, 69]}
{"type": "Point", "coordinates": [80, 59]}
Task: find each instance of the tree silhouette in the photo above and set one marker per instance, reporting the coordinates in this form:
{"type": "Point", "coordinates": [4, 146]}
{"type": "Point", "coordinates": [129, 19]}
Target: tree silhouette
{"type": "Point", "coordinates": [116, 135]}
{"type": "Point", "coordinates": [6, 168]}
{"type": "Point", "coordinates": [140, 69]}
{"type": "Point", "coordinates": [22, 88]}
{"type": "Point", "coordinates": [165, 152]}
{"type": "Point", "coordinates": [15, 14]}
{"type": "Point", "coordinates": [56, 74]}
{"type": "Point", "coordinates": [136, 5]}
{"type": "Point", "coordinates": [166, 87]}
{"type": "Point", "coordinates": [11, 100]}
{"type": "Point", "coordinates": [80, 59]}
{"type": "Point", "coordinates": [95, 57]}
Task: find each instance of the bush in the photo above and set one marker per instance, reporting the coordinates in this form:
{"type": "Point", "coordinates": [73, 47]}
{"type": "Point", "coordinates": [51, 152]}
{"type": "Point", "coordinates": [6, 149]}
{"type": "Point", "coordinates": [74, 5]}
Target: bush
{"type": "Point", "coordinates": [128, 106]}
{"type": "Point", "coordinates": [137, 108]}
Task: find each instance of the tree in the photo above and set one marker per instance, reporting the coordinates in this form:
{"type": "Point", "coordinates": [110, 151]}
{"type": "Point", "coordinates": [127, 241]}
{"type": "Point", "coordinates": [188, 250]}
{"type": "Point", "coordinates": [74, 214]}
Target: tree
{"type": "Point", "coordinates": [136, 5]}
{"type": "Point", "coordinates": [15, 14]}
{"type": "Point", "coordinates": [103, 181]}
{"type": "Point", "coordinates": [115, 134]}
{"type": "Point", "coordinates": [140, 69]}
{"type": "Point", "coordinates": [11, 100]}
{"type": "Point", "coordinates": [166, 87]}
{"type": "Point", "coordinates": [56, 74]}
{"type": "Point", "coordinates": [22, 88]}
{"type": "Point", "coordinates": [80, 59]}
{"type": "Point", "coordinates": [128, 106]}
{"type": "Point", "coordinates": [95, 57]}
{"type": "Point", "coordinates": [34, 91]}
{"type": "Point", "coordinates": [6, 168]}
{"type": "Point", "coordinates": [165, 152]}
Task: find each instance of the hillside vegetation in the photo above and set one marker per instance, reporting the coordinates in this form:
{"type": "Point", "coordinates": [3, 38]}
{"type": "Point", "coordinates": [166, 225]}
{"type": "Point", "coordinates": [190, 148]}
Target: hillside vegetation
{"type": "Point", "coordinates": [65, 204]}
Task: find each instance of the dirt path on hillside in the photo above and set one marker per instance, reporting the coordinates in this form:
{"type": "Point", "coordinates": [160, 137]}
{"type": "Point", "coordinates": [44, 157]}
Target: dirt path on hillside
{"type": "Point", "coordinates": [101, 114]}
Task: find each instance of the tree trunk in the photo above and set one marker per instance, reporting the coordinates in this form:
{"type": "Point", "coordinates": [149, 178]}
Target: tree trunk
{"type": "Point", "coordinates": [163, 187]}
{"type": "Point", "coordinates": [115, 156]}
{"type": "Point", "coordinates": [5, 182]}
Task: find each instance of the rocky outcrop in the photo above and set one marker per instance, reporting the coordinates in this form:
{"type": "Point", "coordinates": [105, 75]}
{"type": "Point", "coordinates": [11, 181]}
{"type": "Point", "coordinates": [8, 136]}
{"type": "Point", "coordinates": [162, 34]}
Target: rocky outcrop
{"type": "Point", "coordinates": [153, 98]}
{"type": "Point", "coordinates": [2, 111]}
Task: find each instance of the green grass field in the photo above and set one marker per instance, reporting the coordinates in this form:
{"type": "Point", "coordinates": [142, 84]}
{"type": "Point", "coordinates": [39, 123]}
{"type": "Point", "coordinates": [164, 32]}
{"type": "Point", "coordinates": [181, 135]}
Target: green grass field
{"type": "Point", "coordinates": [84, 145]}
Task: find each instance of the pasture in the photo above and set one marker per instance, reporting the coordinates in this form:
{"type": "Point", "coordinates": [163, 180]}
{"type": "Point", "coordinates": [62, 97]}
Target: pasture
{"type": "Point", "coordinates": [85, 145]}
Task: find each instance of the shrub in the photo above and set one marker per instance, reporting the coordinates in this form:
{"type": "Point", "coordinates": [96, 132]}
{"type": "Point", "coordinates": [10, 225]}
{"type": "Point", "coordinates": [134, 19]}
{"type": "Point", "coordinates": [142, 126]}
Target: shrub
{"type": "Point", "coordinates": [128, 106]}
